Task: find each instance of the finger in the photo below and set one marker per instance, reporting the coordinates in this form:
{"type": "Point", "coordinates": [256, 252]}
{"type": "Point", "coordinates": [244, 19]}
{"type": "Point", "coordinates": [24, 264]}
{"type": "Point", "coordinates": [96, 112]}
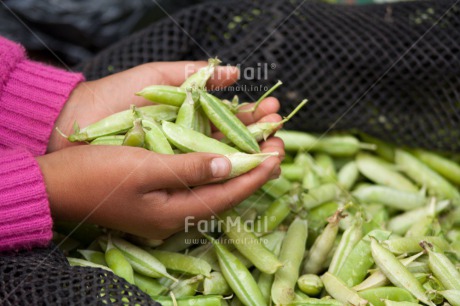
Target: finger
{"type": "Point", "coordinates": [267, 106]}
{"type": "Point", "coordinates": [205, 201]}
{"type": "Point", "coordinates": [184, 170]}
{"type": "Point", "coordinates": [273, 144]}
{"type": "Point", "coordinates": [223, 76]}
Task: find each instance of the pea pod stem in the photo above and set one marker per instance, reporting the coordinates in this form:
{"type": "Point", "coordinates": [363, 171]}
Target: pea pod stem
{"type": "Point", "coordinates": [266, 94]}
{"type": "Point", "coordinates": [199, 78]}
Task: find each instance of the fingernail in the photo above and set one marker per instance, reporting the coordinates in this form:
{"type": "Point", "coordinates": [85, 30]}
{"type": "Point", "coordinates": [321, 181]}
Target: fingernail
{"type": "Point", "coordinates": [220, 167]}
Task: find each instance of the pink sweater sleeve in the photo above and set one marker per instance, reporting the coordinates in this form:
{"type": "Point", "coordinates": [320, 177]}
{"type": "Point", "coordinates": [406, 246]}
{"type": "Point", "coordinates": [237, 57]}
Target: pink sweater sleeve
{"type": "Point", "coordinates": [31, 97]}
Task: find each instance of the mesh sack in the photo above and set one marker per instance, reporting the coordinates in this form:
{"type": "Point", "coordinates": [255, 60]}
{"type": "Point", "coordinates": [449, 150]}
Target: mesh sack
{"type": "Point", "coordinates": [391, 70]}
{"type": "Point", "coordinates": [382, 69]}
{"type": "Point", "coordinates": [44, 277]}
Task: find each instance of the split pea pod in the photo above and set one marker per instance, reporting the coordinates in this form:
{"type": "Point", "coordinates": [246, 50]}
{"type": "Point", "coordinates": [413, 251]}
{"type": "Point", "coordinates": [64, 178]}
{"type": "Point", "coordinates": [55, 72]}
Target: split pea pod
{"type": "Point", "coordinates": [118, 263]}
{"type": "Point", "coordinates": [141, 261]}
{"type": "Point", "coordinates": [378, 279]}
{"type": "Point", "coordinates": [135, 136]}
{"type": "Point", "coordinates": [396, 272]}
{"type": "Point", "coordinates": [425, 176]}
{"type": "Point", "coordinates": [383, 173]}
{"type": "Point", "coordinates": [186, 114]}
{"type": "Point", "coordinates": [228, 123]}
{"type": "Point", "coordinates": [111, 140]}
{"type": "Point", "coordinates": [199, 78]}
{"type": "Point", "coordinates": [155, 140]}
{"type": "Point", "coordinates": [291, 254]}
{"type": "Point", "coordinates": [237, 276]}
{"type": "Point", "coordinates": [248, 244]}
{"type": "Point", "coordinates": [339, 291]}
{"type": "Point", "coordinates": [121, 122]}
{"type": "Point", "coordinates": [349, 239]}
{"type": "Point", "coordinates": [182, 263]}
{"type": "Point", "coordinates": [402, 200]}
{"type": "Point", "coordinates": [191, 141]}
{"type": "Point", "coordinates": [322, 245]}
{"type": "Point", "coordinates": [443, 269]}
{"type": "Point", "coordinates": [444, 166]}
{"type": "Point", "coordinates": [355, 267]}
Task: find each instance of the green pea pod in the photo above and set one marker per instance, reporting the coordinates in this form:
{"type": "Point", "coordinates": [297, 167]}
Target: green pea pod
{"type": "Point", "coordinates": [277, 188]}
{"type": "Point", "coordinates": [396, 272]}
{"type": "Point", "coordinates": [295, 141]}
{"type": "Point", "coordinates": [376, 296]}
{"type": "Point", "coordinates": [121, 122]}
{"type": "Point", "coordinates": [186, 115]}
{"type": "Point", "coordinates": [199, 78]}
{"type": "Point", "coordinates": [349, 239]}
{"type": "Point", "coordinates": [341, 145]}
{"type": "Point", "coordinates": [355, 267]}
{"type": "Point", "coordinates": [291, 255]}
{"type": "Point", "coordinates": [310, 284]}
{"type": "Point", "coordinates": [348, 175]}
{"type": "Point", "coordinates": [85, 263]}
{"type": "Point", "coordinates": [412, 244]}
{"type": "Point", "coordinates": [339, 291]}
{"type": "Point", "coordinates": [383, 149]}
{"type": "Point", "coordinates": [453, 296]}
{"type": "Point", "coordinates": [292, 172]}
{"type": "Point", "coordinates": [142, 261]}
{"type": "Point", "coordinates": [94, 256]}
{"type": "Point", "coordinates": [181, 240]}
{"type": "Point", "coordinates": [383, 173]}
{"type": "Point", "coordinates": [149, 285]}
{"type": "Point", "coordinates": [182, 263]}
{"type": "Point", "coordinates": [322, 194]}
{"type": "Point", "coordinates": [444, 166]}
{"type": "Point", "coordinates": [228, 123]}
{"type": "Point", "coordinates": [135, 137]}
{"type": "Point", "coordinates": [443, 269]}
{"type": "Point", "coordinates": [202, 300]}
{"type": "Point", "coordinates": [325, 168]}
{"type": "Point", "coordinates": [248, 244]}
{"type": "Point", "coordinates": [155, 139]}
{"type": "Point", "coordinates": [188, 140]}
{"type": "Point", "coordinates": [118, 262]}
{"type": "Point", "coordinates": [237, 276]}
{"type": "Point", "coordinates": [216, 284]}
{"type": "Point", "coordinates": [402, 200]}
{"type": "Point", "coordinates": [423, 175]}
{"type": "Point", "coordinates": [163, 94]}
{"type": "Point", "coordinates": [275, 213]}
{"type": "Point", "coordinates": [322, 245]}
{"type": "Point", "coordinates": [111, 140]}
{"type": "Point", "coordinates": [242, 162]}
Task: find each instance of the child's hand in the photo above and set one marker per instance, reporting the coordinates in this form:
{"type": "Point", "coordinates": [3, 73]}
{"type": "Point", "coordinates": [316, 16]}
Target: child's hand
{"type": "Point", "coordinates": [95, 100]}
{"type": "Point", "coordinates": [145, 193]}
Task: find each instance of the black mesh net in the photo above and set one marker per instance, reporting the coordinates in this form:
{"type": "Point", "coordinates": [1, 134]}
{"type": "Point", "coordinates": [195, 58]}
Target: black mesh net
{"type": "Point", "coordinates": [392, 71]}
{"type": "Point", "coordinates": [44, 277]}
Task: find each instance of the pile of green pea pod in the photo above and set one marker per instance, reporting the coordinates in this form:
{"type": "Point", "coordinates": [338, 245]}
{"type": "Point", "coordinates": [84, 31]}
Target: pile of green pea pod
{"type": "Point", "coordinates": [351, 221]}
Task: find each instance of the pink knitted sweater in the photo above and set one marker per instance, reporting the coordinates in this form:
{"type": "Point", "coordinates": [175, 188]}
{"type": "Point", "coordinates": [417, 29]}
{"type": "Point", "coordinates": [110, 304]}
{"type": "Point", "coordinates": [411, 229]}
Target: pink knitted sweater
{"type": "Point", "coordinates": [31, 97]}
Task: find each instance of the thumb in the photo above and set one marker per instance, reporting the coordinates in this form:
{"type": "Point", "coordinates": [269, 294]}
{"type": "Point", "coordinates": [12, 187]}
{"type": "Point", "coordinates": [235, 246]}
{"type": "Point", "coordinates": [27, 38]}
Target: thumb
{"type": "Point", "coordinates": [191, 169]}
